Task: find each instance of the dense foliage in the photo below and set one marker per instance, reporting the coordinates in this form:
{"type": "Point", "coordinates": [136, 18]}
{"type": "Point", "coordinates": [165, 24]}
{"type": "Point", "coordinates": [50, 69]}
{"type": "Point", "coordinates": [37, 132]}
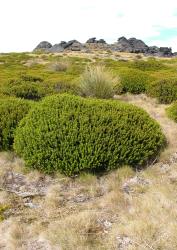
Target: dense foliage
{"type": "Point", "coordinates": [172, 111]}
{"type": "Point", "coordinates": [164, 90]}
{"type": "Point", "coordinates": [133, 81]}
{"type": "Point", "coordinates": [27, 87]}
{"type": "Point", "coordinates": [12, 110]}
{"type": "Point", "coordinates": [71, 134]}
{"type": "Point", "coordinates": [150, 65]}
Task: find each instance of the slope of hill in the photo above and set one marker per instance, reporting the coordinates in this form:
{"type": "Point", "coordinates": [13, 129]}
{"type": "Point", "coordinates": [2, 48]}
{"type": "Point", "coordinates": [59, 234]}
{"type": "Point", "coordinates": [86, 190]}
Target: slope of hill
{"type": "Point", "coordinates": [122, 209]}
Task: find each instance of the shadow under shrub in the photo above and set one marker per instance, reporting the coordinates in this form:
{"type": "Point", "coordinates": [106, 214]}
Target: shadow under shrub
{"type": "Point", "coordinates": [133, 81]}
{"type": "Point", "coordinates": [12, 110]}
{"type": "Point", "coordinates": [172, 111]}
{"type": "Point", "coordinates": [71, 134]}
{"type": "Point", "coordinates": [164, 90]}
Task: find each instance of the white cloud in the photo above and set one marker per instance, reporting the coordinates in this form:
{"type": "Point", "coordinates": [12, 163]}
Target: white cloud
{"type": "Point", "coordinates": [24, 23]}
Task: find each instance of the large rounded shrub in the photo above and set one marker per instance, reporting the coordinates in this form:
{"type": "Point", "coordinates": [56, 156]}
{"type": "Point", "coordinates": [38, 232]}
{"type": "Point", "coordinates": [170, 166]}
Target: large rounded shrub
{"type": "Point", "coordinates": [164, 90]}
{"type": "Point", "coordinates": [72, 134]}
{"type": "Point", "coordinates": [172, 111]}
{"type": "Point", "coordinates": [12, 110]}
{"type": "Point", "coordinates": [133, 81]}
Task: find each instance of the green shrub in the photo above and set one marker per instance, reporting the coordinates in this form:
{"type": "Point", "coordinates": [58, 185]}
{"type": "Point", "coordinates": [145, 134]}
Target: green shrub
{"type": "Point", "coordinates": [71, 134]}
{"type": "Point", "coordinates": [12, 110]}
{"type": "Point", "coordinates": [133, 81]}
{"type": "Point", "coordinates": [150, 65]}
{"type": "Point", "coordinates": [67, 87]}
{"type": "Point", "coordinates": [26, 87]}
{"type": "Point", "coordinates": [3, 208]}
{"type": "Point", "coordinates": [164, 90]}
{"type": "Point", "coordinates": [97, 82]}
{"type": "Point", "coordinates": [172, 111]}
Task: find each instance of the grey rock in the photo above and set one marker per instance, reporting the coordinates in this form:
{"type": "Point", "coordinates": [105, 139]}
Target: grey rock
{"type": "Point", "coordinates": [43, 46]}
{"type": "Point", "coordinates": [160, 52]}
{"type": "Point", "coordinates": [165, 51]}
{"type": "Point", "coordinates": [153, 50]}
{"type": "Point", "coordinates": [56, 48]}
{"type": "Point", "coordinates": [94, 40]}
{"type": "Point", "coordinates": [101, 41]}
{"type": "Point", "coordinates": [91, 40]}
{"type": "Point", "coordinates": [137, 45]}
{"type": "Point", "coordinates": [127, 187]}
{"type": "Point", "coordinates": [131, 45]}
{"type": "Point", "coordinates": [124, 242]}
{"type": "Point", "coordinates": [74, 45]}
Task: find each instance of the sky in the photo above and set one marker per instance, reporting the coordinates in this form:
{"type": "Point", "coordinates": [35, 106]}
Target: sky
{"type": "Point", "coordinates": [25, 23]}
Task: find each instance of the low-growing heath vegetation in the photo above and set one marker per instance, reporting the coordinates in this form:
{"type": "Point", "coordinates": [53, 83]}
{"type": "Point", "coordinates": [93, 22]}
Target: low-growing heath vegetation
{"type": "Point", "coordinates": [172, 111]}
{"type": "Point", "coordinates": [12, 110]}
{"type": "Point", "coordinates": [164, 90]}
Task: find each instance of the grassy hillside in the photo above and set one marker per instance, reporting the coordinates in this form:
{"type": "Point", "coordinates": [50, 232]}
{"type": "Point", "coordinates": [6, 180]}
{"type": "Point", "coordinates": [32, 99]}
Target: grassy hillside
{"type": "Point", "coordinates": [125, 208]}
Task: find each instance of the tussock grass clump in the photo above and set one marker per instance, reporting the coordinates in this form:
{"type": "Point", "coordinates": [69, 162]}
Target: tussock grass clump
{"type": "Point", "coordinates": [59, 66]}
{"type": "Point", "coordinates": [71, 134]}
{"type": "Point", "coordinates": [12, 110]}
{"type": "Point", "coordinates": [164, 90]}
{"type": "Point", "coordinates": [96, 81]}
{"type": "Point", "coordinates": [172, 111]}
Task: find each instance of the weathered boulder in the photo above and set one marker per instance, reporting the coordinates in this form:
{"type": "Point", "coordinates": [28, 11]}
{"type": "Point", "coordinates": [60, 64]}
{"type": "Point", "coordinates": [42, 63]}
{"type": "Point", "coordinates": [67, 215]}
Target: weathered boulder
{"type": "Point", "coordinates": [56, 48]}
{"type": "Point", "coordinates": [74, 45]}
{"type": "Point", "coordinates": [91, 40]}
{"type": "Point", "coordinates": [161, 52]}
{"type": "Point", "coordinates": [138, 46]}
{"type": "Point", "coordinates": [165, 51]}
{"type": "Point", "coordinates": [101, 41]}
{"type": "Point", "coordinates": [131, 45]}
{"type": "Point", "coordinates": [43, 46]}
{"type": "Point", "coordinates": [94, 40]}
{"type": "Point", "coordinates": [153, 50]}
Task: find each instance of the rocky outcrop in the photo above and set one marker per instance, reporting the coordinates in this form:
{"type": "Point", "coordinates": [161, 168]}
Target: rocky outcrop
{"type": "Point", "coordinates": [131, 45]}
{"type": "Point", "coordinates": [56, 48]}
{"type": "Point", "coordinates": [72, 45]}
{"type": "Point", "coordinates": [161, 52]}
{"type": "Point", "coordinates": [43, 46]}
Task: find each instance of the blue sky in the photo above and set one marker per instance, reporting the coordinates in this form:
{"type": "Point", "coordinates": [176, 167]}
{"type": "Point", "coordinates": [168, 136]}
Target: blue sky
{"type": "Point", "coordinates": [164, 35]}
{"type": "Point", "coordinates": [24, 23]}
